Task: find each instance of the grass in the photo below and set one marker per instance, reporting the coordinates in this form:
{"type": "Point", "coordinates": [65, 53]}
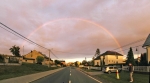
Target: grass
{"type": "Point", "coordinates": [89, 70]}
{"type": "Point", "coordinates": [25, 69]}
{"type": "Point", "coordinates": [124, 78]}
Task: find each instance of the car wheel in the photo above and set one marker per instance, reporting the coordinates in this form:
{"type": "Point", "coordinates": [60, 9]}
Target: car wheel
{"type": "Point", "coordinates": [109, 72]}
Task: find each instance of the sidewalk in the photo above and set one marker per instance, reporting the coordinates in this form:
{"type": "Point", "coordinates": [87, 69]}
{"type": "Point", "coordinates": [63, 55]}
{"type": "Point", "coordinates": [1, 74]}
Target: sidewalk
{"type": "Point", "coordinates": [29, 78]}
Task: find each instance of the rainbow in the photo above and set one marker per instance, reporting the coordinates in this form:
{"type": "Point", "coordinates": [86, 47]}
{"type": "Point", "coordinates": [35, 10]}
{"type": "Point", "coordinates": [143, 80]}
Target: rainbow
{"type": "Point", "coordinates": [84, 20]}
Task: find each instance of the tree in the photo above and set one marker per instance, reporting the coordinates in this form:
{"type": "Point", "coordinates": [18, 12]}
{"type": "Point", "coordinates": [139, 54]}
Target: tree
{"type": "Point", "coordinates": [98, 51]}
{"type": "Point", "coordinates": [57, 62]}
{"type": "Point", "coordinates": [39, 59]}
{"type": "Point", "coordinates": [1, 58]}
{"type": "Point", "coordinates": [84, 62]}
{"type": "Point", "coordinates": [143, 60]}
{"type": "Point", "coordinates": [15, 50]}
{"type": "Point", "coordinates": [76, 64]}
{"type": "Point", "coordinates": [130, 57]}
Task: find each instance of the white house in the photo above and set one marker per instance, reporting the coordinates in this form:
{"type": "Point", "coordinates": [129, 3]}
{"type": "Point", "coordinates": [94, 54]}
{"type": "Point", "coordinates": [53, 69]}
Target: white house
{"type": "Point", "coordinates": [146, 45]}
{"type": "Point", "coordinates": [109, 58]}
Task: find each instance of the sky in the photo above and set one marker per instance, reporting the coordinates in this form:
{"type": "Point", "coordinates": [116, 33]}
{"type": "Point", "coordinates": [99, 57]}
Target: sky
{"type": "Point", "coordinates": [74, 29]}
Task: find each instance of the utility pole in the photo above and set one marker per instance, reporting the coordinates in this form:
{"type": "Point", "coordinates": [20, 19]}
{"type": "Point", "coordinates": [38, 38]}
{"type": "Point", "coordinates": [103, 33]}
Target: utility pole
{"type": "Point", "coordinates": [23, 50]}
{"type": "Point", "coordinates": [49, 58]}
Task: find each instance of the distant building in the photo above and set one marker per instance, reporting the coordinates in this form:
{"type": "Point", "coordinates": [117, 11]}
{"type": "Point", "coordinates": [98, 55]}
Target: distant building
{"type": "Point", "coordinates": [31, 58]}
{"type": "Point", "coordinates": [146, 45]}
{"type": "Point", "coordinates": [63, 62]}
{"type": "Point", "coordinates": [109, 58]}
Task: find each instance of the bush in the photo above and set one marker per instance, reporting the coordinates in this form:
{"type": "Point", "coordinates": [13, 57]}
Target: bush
{"type": "Point", "coordinates": [39, 59]}
{"type": "Point", "coordinates": [1, 59]}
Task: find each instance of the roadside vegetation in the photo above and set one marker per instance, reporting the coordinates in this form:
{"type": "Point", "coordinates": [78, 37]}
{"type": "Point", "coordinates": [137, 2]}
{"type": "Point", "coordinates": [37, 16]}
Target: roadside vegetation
{"type": "Point", "coordinates": [24, 69]}
{"type": "Point", "coordinates": [124, 78]}
{"type": "Point", "coordinates": [89, 70]}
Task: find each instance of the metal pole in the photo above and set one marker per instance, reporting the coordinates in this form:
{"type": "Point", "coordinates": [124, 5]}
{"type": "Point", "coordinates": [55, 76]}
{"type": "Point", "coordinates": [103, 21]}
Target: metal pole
{"type": "Point", "coordinates": [49, 59]}
{"type": "Point", "coordinates": [23, 50]}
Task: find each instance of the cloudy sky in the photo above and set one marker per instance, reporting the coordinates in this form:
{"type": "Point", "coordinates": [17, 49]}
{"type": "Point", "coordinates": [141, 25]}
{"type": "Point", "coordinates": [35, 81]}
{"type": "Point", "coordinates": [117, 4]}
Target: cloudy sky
{"type": "Point", "coordinates": [74, 29]}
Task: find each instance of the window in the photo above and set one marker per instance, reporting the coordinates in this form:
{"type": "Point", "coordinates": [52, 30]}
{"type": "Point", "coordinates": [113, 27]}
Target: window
{"type": "Point", "coordinates": [116, 56]}
{"type": "Point", "coordinates": [115, 67]}
{"type": "Point", "coordinates": [110, 67]}
{"type": "Point", "coordinates": [97, 63]}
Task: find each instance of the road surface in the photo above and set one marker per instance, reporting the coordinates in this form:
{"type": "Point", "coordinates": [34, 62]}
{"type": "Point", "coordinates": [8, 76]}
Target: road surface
{"type": "Point", "coordinates": [67, 75]}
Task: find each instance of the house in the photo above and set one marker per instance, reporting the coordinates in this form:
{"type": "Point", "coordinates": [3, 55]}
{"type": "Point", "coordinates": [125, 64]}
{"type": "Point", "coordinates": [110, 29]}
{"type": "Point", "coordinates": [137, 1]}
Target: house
{"type": "Point", "coordinates": [63, 62]}
{"type": "Point", "coordinates": [146, 45]}
{"type": "Point", "coordinates": [10, 59]}
{"type": "Point", "coordinates": [31, 58]}
{"type": "Point", "coordinates": [97, 61]}
{"type": "Point", "coordinates": [109, 58]}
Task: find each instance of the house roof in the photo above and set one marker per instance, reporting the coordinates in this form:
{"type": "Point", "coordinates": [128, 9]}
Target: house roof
{"type": "Point", "coordinates": [97, 58]}
{"type": "Point", "coordinates": [39, 53]}
{"type": "Point", "coordinates": [147, 42]}
{"type": "Point", "coordinates": [108, 53]}
{"type": "Point", "coordinates": [111, 53]}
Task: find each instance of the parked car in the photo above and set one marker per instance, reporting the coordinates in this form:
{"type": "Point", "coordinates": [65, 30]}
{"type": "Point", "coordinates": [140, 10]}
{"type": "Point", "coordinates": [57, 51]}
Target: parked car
{"type": "Point", "coordinates": [58, 65]}
{"type": "Point", "coordinates": [110, 69]}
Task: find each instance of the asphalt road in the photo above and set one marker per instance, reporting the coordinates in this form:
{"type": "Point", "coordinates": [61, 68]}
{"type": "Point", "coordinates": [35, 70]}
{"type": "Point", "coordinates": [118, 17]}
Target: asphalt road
{"type": "Point", "coordinates": [67, 75]}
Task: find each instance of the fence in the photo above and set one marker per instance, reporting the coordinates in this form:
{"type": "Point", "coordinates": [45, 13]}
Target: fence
{"type": "Point", "coordinates": [125, 68]}
{"type": "Point", "coordinates": [94, 68]}
{"type": "Point", "coordinates": [16, 64]}
{"type": "Point", "coordinates": [138, 68]}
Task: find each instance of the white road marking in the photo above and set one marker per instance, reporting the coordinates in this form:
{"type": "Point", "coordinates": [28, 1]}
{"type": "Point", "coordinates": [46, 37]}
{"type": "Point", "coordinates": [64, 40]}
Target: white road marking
{"type": "Point", "coordinates": [69, 81]}
{"type": "Point", "coordinates": [70, 74]}
{"type": "Point", "coordinates": [91, 77]}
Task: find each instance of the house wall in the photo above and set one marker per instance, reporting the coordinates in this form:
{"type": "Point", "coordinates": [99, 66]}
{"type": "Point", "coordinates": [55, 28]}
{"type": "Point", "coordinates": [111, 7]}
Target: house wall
{"type": "Point", "coordinates": [46, 62]}
{"type": "Point", "coordinates": [113, 59]}
{"type": "Point", "coordinates": [34, 55]}
{"type": "Point", "coordinates": [28, 61]}
{"type": "Point", "coordinates": [148, 54]}
{"type": "Point", "coordinates": [96, 62]}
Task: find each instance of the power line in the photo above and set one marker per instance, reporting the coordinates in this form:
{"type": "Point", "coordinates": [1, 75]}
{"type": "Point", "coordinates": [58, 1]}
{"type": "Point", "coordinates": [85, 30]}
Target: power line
{"type": "Point", "coordinates": [54, 54]}
{"type": "Point", "coordinates": [22, 37]}
{"type": "Point", "coordinates": [16, 35]}
{"type": "Point", "coordinates": [130, 43]}
{"type": "Point", "coordinates": [71, 53]}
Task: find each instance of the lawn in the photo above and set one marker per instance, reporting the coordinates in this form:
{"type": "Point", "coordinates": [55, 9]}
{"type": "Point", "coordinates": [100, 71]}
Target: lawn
{"type": "Point", "coordinates": [24, 69]}
{"type": "Point", "coordinates": [124, 78]}
{"type": "Point", "coordinates": [89, 70]}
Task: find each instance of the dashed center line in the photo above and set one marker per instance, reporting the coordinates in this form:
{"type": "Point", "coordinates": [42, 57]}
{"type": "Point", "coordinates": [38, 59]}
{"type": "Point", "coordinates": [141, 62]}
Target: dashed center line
{"type": "Point", "coordinates": [69, 81]}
